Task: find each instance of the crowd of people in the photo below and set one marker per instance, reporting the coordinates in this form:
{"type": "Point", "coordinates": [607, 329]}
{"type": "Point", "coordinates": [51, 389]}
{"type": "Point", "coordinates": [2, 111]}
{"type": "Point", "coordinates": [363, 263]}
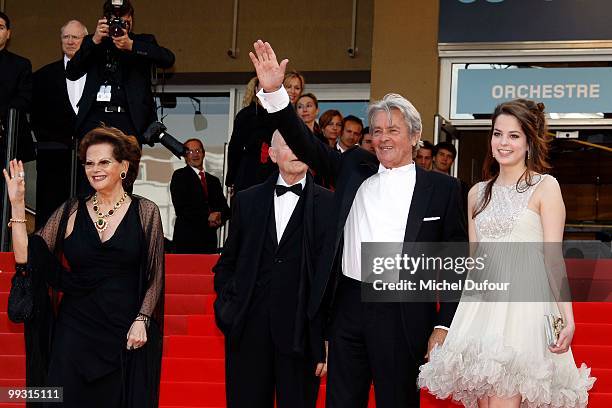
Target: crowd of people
{"type": "Point", "coordinates": [308, 188]}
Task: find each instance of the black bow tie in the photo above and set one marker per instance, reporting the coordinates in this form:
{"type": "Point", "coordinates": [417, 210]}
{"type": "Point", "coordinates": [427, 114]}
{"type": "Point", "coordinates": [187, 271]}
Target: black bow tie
{"type": "Point", "coordinates": [295, 189]}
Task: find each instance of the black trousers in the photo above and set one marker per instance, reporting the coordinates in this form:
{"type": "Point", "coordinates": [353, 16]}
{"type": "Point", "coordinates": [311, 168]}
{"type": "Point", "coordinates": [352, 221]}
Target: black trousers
{"type": "Point", "coordinates": [256, 372]}
{"type": "Point", "coordinates": [368, 344]}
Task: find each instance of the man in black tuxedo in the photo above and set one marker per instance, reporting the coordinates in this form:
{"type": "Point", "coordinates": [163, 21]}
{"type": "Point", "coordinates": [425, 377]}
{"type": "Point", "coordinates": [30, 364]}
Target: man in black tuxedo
{"type": "Point", "coordinates": [118, 67]}
{"type": "Point", "coordinates": [54, 109]}
{"type": "Point", "coordinates": [381, 197]}
{"type": "Point", "coordinates": [15, 92]}
{"type": "Point", "coordinates": [199, 204]}
{"type": "Point", "coordinates": [263, 281]}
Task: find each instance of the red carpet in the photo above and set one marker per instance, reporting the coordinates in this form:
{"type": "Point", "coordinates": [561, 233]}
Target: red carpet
{"type": "Point", "coordinates": [193, 365]}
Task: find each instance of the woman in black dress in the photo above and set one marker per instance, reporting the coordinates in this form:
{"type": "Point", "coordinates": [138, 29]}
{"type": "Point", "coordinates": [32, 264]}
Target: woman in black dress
{"type": "Point", "coordinates": [99, 334]}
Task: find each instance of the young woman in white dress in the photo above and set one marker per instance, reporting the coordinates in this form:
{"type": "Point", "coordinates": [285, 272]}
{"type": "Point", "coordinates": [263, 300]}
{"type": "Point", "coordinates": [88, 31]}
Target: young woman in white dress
{"type": "Point", "coordinates": [496, 353]}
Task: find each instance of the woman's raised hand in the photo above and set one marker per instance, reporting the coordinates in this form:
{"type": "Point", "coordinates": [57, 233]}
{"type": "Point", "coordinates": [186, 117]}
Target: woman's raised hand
{"type": "Point", "coordinates": [15, 182]}
{"type": "Point", "coordinates": [270, 73]}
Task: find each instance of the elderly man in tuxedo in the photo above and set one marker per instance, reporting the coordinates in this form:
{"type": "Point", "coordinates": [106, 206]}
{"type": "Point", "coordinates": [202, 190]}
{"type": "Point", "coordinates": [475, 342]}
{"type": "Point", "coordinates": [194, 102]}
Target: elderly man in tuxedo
{"type": "Point", "coordinates": [263, 281]}
{"type": "Point", "coordinates": [55, 105]}
{"type": "Point", "coordinates": [382, 197]}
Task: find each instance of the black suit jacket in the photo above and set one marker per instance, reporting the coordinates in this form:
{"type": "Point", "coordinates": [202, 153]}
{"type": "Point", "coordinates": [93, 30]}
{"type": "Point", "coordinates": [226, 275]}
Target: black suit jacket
{"type": "Point", "coordinates": [435, 195]}
{"type": "Point", "coordinates": [240, 264]}
{"type": "Point", "coordinates": [135, 69]}
{"type": "Point", "coordinates": [191, 231]}
{"type": "Point", "coordinates": [16, 92]}
{"type": "Point", "coordinates": [53, 118]}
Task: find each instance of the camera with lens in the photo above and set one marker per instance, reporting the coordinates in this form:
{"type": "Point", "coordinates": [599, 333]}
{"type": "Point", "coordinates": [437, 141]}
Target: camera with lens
{"type": "Point", "coordinates": [157, 133]}
{"type": "Point", "coordinates": [116, 25]}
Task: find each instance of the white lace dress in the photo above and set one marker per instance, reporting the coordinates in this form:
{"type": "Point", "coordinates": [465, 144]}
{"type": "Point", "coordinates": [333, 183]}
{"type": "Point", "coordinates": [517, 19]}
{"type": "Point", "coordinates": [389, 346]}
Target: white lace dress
{"type": "Point", "coordinates": [499, 348]}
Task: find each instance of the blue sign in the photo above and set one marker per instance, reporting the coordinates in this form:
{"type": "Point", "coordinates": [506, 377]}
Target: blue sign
{"type": "Point", "coordinates": [562, 90]}
{"type": "Point", "coordinates": [524, 20]}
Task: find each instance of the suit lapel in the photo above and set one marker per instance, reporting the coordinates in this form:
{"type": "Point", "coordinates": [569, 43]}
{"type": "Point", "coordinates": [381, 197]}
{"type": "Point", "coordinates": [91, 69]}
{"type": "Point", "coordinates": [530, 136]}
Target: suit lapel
{"type": "Point", "coordinates": [418, 207]}
{"type": "Point", "coordinates": [63, 85]}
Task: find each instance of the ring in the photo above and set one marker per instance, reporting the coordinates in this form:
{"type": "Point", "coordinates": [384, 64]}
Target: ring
{"type": "Point", "coordinates": [21, 174]}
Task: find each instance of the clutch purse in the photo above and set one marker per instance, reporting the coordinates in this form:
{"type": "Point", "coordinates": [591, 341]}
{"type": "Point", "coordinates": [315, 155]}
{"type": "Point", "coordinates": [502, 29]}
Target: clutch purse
{"type": "Point", "coordinates": [552, 327]}
{"type": "Point", "coordinates": [21, 299]}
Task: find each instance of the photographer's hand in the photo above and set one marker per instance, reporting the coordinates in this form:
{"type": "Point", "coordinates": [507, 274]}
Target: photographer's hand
{"type": "Point", "coordinates": [101, 31]}
{"type": "Point", "coordinates": [124, 42]}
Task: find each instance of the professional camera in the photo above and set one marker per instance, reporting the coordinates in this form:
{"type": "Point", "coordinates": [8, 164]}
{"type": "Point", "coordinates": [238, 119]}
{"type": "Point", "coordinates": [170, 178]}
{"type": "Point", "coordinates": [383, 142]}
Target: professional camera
{"type": "Point", "coordinates": [156, 133]}
{"type": "Point", "coordinates": [116, 25]}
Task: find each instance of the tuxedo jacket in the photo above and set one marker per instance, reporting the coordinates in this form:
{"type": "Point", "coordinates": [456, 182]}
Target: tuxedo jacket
{"type": "Point", "coordinates": [253, 259]}
{"type": "Point", "coordinates": [16, 92]}
{"type": "Point", "coordinates": [53, 118]}
{"type": "Point", "coordinates": [191, 231]}
{"type": "Point", "coordinates": [135, 68]}
{"type": "Point", "coordinates": [435, 195]}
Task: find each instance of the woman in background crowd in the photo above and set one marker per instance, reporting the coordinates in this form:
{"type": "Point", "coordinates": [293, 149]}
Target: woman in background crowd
{"type": "Point", "coordinates": [248, 162]}
{"type": "Point", "coordinates": [294, 83]}
{"type": "Point", "coordinates": [331, 126]}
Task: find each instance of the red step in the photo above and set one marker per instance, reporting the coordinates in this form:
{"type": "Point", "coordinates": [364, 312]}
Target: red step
{"type": "Point", "coordinates": [12, 344]}
{"type": "Point", "coordinates": [589, 312]}
{"type": "Point", "coordinates": [189, 304]}
{"type": "Point", "coordinates": [593, 334]}
{"type": "Point", "coordinates": [6, 326]}
{"type": "Point", "coordinates": [192, 394]}
{"type": "Point", "coordinates": [189, 284]}
{"type": "Point", "coordinates": [190, 264]}
{"type": "Point", "coordinates": [194, 347]}
{"type": "Point", "coordinates": [12, 367]}
{"type": "Point", "coordinates": [193, 369]}
{"type": "Point", "coordinates": [202, 325]}
{"type": "Point", "coordinates": [593, 356]}
{"type": "Point", "coordinates": [175, 324]}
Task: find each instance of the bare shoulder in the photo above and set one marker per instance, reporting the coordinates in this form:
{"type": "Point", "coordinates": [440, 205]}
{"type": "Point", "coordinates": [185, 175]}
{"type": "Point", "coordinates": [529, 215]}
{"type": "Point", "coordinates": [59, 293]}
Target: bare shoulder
{"type": "Point", "coordinates": [548, 186]}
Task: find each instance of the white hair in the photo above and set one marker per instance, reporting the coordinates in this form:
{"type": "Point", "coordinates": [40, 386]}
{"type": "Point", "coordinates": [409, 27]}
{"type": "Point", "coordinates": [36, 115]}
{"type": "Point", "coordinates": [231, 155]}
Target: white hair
{"type": "Point", "coordinates": [76, 22]}
{"type": "Point", "coordinates": [390, 101]}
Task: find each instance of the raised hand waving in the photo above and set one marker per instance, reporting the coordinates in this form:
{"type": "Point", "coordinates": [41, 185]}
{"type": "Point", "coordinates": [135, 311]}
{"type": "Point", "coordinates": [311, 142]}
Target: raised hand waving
{"type": "Point", "coordinates": [270, 73]}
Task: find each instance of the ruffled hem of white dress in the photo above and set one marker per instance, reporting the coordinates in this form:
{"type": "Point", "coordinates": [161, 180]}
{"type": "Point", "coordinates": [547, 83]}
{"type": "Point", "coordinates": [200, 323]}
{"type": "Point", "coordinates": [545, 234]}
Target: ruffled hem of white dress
{"type": "Point", "coordinates": [474, 369]}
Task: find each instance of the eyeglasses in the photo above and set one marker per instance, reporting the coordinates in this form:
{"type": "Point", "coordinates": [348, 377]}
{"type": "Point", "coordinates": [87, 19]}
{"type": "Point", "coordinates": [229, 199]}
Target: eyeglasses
{"type": "Point", "coordinates": [338, 124]}
{"type": "Point", "coordinates": [102, 164]}
{"type": "Point", "coordinates": [193, 151]}
{"type": "Point", "coordinates": [67, 37]}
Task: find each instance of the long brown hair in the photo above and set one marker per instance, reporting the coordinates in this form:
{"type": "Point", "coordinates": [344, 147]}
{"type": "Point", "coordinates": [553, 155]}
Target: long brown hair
{"type": "Point", "coordinates": [530, 115]}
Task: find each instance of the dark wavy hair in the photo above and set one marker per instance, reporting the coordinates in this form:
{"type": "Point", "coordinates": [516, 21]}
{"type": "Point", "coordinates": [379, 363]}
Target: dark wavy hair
{"type": "Point", "coordinates": [530, 115]}
{"type": "Point", "coordinates": [125, 147]}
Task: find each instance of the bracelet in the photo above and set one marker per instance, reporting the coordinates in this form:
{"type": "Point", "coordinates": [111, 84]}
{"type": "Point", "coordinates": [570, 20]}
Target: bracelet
{"type": "Point", "coordinates": [21, 268]}
{"type": "Point", "coordinates": [141, 317]}
{"type": "Point", "coordinates": [19, 221]}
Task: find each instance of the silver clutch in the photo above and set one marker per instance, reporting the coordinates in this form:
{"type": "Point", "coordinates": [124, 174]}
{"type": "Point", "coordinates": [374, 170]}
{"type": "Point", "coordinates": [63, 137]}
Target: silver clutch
{"type": "Point", "coordinates": [552, 327]}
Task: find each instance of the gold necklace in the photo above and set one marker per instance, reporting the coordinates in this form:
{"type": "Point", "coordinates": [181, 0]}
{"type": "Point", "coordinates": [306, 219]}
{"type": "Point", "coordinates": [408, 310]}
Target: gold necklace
{"type": "Point", "coordinates": [101, 223]}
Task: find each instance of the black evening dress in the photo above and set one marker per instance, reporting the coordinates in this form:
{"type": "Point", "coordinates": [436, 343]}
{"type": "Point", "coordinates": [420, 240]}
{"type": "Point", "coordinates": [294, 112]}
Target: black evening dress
{"type": "Point", "coordinates": [78, 337]}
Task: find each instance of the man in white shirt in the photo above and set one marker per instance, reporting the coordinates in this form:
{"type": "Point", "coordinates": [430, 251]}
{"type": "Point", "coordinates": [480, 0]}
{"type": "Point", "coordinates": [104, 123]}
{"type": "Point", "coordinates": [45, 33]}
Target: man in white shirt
{"type": "Point", "coordinates": [263, 279]}
{"type": "Point", "coordinates": [54, 109]}
{"type": "Point", "coordinates": [382, 198]}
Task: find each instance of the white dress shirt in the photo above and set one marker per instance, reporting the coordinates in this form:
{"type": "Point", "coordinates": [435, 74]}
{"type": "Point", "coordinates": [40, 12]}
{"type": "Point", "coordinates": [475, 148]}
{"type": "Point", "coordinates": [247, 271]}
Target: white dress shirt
{"type": "Point", "coordinates": [379, 213]}
{"type": "Point", "coordinates": [74, 88]}
{"type": "Point", "coordinates": [284, 206]}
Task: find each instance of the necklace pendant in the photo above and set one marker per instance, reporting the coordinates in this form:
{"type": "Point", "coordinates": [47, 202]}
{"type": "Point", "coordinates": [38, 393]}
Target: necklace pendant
{"type": "Point", "coordinates": [101, 224]}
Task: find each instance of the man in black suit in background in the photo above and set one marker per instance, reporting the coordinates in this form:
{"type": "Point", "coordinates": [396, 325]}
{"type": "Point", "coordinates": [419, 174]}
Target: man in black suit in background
{"type": "Point", "coordinates": [199, 204]}
{"type": "Point", "coordinates": [15, 92]}
{"type": "Point", "coordinates": [382, 198]}
{"type": "Point", "coordinates": [118, 67]}
{"type": "Point", "coordinates": [54, 109]}
{"type": "Point", "coordinates": [263, 281]}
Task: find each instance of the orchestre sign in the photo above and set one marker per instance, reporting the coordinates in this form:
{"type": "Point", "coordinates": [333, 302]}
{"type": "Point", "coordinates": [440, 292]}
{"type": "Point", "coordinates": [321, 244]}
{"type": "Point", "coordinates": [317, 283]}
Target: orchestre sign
{"type": "Point", "coordinates": [562, 90]}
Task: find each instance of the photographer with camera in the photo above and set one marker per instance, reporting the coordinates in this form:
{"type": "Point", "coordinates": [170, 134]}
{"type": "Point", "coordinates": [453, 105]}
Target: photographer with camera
{"type": "Point", "coordinates": [118, 65]}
